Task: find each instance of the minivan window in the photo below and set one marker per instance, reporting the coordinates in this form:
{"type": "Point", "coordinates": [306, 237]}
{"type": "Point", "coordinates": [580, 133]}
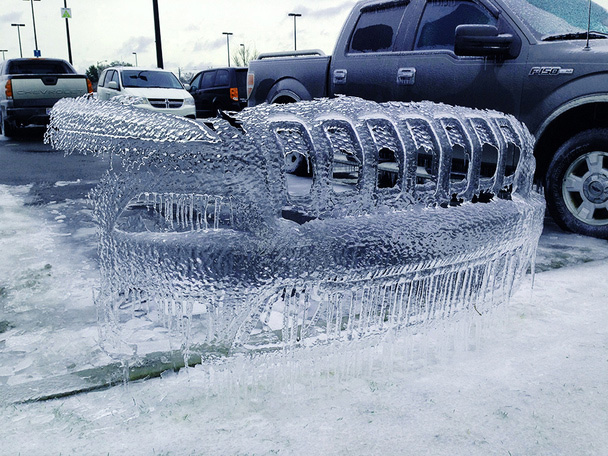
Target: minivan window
{"type": "Point", "coordinates": [106, 77]}
{"type": "Point", "coordinates": [145, 78]}
{"type": "Point", "coordinates": [102, 78]}
{"type": "Point", "coordinates": [113, 77]}
{"type": "Point", "coordinates": [377, 29]}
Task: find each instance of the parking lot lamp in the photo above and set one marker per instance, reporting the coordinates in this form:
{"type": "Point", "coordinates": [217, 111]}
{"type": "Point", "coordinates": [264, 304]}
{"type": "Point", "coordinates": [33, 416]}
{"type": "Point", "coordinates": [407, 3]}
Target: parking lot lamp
{"type": "Point", "coordinates": [159, 46]}
{"type": "Point", "coordinates": [19, 35]}
{"type": "Point", "coordinates": [67, 32]}
{"type": "Point", "coordinates": [294, 15]}
{"type": "Point", "coordinates": [135, 54]}
{"type": "Point", "coordinates": [36, 51]}
{"type": "Point", "coordinates": [228, 44]}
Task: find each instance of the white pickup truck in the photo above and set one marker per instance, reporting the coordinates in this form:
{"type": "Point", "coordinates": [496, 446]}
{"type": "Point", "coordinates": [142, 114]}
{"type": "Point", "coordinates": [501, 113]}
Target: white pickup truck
{"type": "Point", "coordinates": [30, 87]}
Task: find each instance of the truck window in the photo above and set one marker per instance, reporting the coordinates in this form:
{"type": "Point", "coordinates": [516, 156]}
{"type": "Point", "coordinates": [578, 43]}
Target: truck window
{"type": "Point", "coordinates": [222, 78]}
{"type": "Point", "coordinates": [39, 66]}
{"type": "Point", "coordinates": [208, 78]}
{"type": "Point", "coordinates": [440, 18]}
{"type": "Point", "coordinates": [377, 28]}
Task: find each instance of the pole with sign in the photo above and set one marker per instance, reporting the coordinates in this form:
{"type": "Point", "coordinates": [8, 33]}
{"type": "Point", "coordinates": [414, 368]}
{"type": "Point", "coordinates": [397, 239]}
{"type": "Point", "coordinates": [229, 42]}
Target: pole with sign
{"type": "Point", "coordinates": [66, 13]}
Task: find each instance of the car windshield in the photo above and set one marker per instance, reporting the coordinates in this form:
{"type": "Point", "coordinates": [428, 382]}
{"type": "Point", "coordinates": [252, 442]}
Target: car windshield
{"type": "Point", "coordinates": [145, 78]}
{"type": "Point", "coordinates": [563, 19]}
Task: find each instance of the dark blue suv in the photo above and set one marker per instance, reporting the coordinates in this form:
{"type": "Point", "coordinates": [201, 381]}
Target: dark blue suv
{"type": "Point", "coordinates": [219, 89]}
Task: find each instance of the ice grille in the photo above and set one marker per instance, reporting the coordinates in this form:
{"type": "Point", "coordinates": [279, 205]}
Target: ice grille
{"type": "Point", "coordinates": [205, 237]}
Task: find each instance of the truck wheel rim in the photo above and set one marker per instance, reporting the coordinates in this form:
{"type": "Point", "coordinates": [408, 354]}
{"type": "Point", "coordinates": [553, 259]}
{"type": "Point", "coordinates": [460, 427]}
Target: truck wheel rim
{"type": "Point", "coordinates": [585, 188]}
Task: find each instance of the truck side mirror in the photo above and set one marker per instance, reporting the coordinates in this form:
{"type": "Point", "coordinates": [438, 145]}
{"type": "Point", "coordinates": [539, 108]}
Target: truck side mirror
{"type": "Point", "coordinates": [113, 85]}
{"type": "Point", "coordinates": [482, 40]}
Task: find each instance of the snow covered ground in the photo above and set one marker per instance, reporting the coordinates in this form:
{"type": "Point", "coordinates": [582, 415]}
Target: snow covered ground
{"type": "Point", "coordinates": [529, 379]}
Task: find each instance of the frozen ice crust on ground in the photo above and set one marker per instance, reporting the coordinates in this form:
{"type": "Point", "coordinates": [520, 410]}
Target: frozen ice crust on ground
{"type": "Point", "coordinates": [410, 212]}
{"type": "Point", "coordinates": [532, 380]}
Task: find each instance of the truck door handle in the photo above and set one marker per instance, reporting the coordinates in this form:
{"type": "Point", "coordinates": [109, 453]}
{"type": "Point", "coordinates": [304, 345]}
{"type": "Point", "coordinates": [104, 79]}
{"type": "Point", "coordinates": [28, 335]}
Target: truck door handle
{"type": "Point", "coordinates": [406, 76]}
{"type": "Point", "coordinates": [340, 76]}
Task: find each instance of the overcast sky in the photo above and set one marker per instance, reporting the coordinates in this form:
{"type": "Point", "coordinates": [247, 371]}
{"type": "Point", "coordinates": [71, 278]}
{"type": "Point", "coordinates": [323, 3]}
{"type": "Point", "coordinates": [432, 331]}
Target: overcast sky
{"type": "Point", "coordinates": [191, 30]}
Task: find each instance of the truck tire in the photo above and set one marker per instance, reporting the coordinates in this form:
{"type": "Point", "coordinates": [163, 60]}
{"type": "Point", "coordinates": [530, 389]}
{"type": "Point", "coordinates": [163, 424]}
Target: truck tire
{"type": "Point", "coordinates": [577, 184]}
{"type": "Point", "coordinates": [6, 128]}
{"type": "Point", "coordinates": [296, 164]}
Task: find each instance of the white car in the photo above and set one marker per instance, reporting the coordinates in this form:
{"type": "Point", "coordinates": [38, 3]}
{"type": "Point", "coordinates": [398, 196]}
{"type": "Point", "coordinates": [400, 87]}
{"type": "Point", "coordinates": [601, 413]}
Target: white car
{"type": "Point", "coordinates": [155, 89]}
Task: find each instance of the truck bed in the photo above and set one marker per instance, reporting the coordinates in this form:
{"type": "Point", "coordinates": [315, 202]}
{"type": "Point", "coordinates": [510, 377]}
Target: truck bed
{"type": "Point", "coordinates": [302, 72]}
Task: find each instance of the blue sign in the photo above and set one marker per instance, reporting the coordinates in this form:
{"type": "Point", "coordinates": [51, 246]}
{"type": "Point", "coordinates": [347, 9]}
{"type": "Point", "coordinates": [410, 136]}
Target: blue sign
{"type": "Point", "coordinates": [37, 53]}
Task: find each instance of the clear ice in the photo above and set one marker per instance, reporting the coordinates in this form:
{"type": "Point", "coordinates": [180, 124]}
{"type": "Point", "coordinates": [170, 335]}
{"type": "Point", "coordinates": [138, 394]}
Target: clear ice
{"type": "Point", "coordinates": [405, 213]}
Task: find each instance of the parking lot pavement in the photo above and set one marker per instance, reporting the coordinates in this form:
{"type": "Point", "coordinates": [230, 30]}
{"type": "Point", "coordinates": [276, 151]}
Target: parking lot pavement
{"type": "Point", "coordinates": [558, 249]}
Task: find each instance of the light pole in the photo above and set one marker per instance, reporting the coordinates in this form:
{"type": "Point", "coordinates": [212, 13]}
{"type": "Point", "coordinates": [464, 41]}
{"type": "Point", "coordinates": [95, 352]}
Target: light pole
{"type": "Point", "coordinates": [228, 44]}
{"type": "Point", "coordinates": [67, 30]}
{"type": "Point", "coordinates": [36, 51]}
{"type": "Point", "coordinates": [294, 15]}
{"type": "Point", "coordinates": [135, 54]}
{"type": "Point", "coordinates": [3, 51]}
{"type": "Point", "coordinates": [19, 35]}
{"type": "Point", "coordinates": [159, 46]}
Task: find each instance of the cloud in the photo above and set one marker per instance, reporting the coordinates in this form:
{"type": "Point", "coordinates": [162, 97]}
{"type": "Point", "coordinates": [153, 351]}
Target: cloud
{"type": "Point", "coordinates": [325, 13]}
{"type": "Point", "coordinates": [139, 44]}
{"type": "Point", "coordinates": [209, 45]}
{"type": "Point", "coordinates": [12, 17]}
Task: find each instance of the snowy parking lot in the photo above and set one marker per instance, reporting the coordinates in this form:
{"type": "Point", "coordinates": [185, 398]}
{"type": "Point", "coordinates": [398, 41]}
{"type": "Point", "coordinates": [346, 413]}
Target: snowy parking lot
{"type": "Point", "coordinates": [529, 378]}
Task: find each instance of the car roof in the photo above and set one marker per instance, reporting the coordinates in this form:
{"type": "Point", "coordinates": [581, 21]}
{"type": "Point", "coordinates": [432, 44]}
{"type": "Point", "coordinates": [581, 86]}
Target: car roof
{"type": "Point", "coordinates": [132, 68]}
{"type": "Point", "coordinates": [224, 68]}
{"type": "Point", "coordinates": [21, 59]}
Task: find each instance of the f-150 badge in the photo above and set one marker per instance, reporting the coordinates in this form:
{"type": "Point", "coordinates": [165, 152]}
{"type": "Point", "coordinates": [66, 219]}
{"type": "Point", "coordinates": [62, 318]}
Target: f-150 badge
{"type": "Point", "coordinates": [550, 71]}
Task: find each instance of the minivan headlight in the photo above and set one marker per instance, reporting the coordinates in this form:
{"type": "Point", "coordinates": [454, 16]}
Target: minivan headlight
{"type": "Point", "coordinates": [189, 101]}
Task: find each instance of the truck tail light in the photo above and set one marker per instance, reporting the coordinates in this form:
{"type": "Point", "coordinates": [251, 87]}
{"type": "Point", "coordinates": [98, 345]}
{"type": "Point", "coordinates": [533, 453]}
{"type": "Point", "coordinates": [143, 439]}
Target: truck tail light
{"type": "Point", "coordinates": [234, 93]}
{"type": "Point", "coordinates": [250, 81]}
{"type": "Point", "coordinates": [8, 89]}
{"type": "Point", "coordinates": [89, 86]}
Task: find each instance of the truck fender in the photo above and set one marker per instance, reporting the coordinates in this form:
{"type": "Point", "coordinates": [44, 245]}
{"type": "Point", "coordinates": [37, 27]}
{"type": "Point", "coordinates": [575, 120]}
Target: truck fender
{"type": "Point", "coordinates": [287, 90]}
{"type": "Point", "coordinates": [571, 104]}
{"type": "Point", "coordinates": [564, 98]}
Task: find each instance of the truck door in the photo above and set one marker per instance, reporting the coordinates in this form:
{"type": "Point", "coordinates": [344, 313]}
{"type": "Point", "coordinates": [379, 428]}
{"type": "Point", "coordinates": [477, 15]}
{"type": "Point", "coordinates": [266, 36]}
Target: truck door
{"type": "Point", "coordinates": [432, 71]}
{"type": "Point", "coordinates": [363, 68]}
{"type": "Point", "coordinates": [404, 51]}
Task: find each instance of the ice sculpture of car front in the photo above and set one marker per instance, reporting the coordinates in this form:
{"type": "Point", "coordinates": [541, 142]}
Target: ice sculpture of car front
{"type": "Point", "coordinates": [408, 213]}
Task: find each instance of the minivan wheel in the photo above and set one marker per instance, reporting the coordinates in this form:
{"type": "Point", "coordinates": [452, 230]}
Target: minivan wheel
{"type": "Point", "coordinates": [577, 184]}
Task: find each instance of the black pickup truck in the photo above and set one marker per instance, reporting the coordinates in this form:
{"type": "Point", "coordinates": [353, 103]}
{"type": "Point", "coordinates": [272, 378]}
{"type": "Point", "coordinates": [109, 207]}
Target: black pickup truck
{"type": "Point", "coordinates": [544, 61]}
{"type": "Point", "coordinates": [219, 89]}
